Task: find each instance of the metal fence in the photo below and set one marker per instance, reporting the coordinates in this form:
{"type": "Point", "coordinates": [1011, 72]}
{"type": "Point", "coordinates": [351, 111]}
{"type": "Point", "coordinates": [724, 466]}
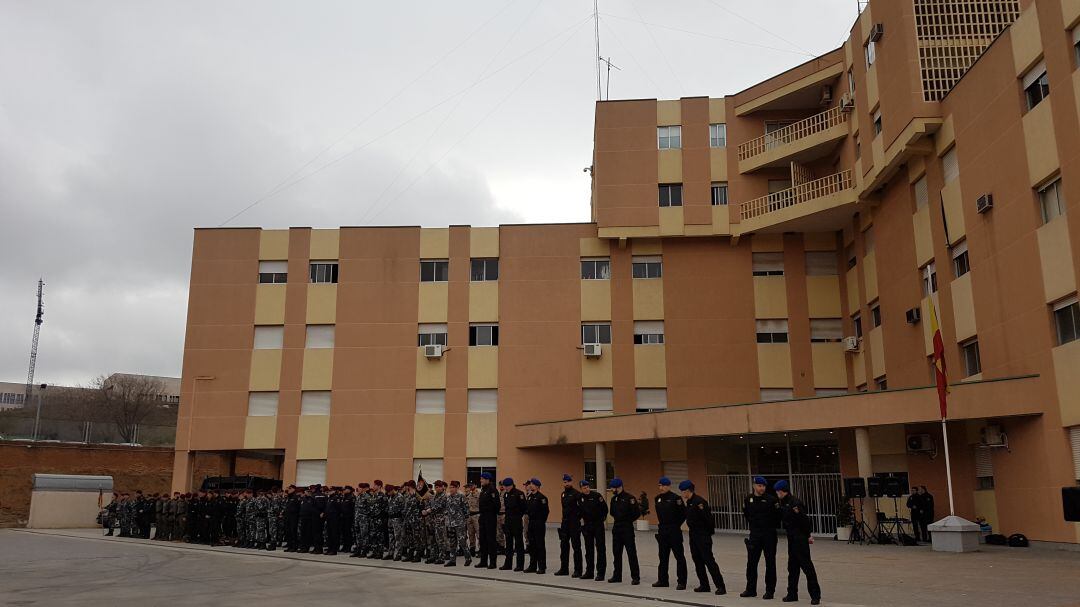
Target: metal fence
{"type": "Point", "coordinates": [822, 494]}
{"type": "Point", "coordinates": [77, 431]}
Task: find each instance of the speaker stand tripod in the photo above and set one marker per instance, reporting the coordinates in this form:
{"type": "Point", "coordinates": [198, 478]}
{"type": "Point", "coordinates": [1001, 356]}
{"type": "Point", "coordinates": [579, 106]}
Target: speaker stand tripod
{"type": "Point", "coordinates": [861, 532]}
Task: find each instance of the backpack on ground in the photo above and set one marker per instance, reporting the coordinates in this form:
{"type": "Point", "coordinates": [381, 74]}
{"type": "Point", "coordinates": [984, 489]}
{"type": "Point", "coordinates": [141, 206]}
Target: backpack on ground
{"type": "Point", "coordinates": [1018, 540]}
{"type": "Point", "coordinates": [996, 539]}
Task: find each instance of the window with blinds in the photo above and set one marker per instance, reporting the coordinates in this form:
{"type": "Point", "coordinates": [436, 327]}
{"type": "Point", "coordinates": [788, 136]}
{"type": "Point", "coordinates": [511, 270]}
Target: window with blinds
{"type": "Point", "coordinates": [772, 331]}
{"type": "Point", "coordinates": [315, 402]}
{"type": "Point", "coordinates": [431, 469]}
{"type": "Point", "coordinates": [922, 194]}
{"type": "Point", "coordinates": [596, 400]}
{"type": "Point", "coordinates": [984, 468]}
{"type": "Point", "coordinates": [821, 263]}
{"type": "Point", "coordinates": [1074, 440]}
{"type": "Point", "coordinates": [677, 472]}
{"type": "Point", "coordinates": [483, 401]}
{"type": "Point", "coordinates": [431, 401]}
{"type": "Point", "coordinates": [319, 336]}
{"type": "Point", "coordinates": [269, 337]}
{"type": "Point", "coordinates": [262, 404]}
{"type": "Point", "coordinates": [651, 399]}
{"type": "Point", "coordinates": [775, 394]}
{"type": "Point", "coordinates": [648, 332]}
{"type": "Point", "coordinates": [825, 330]}
{"type": "Point", "coordinates": [310, 472]}
{"type": "Point", "coordinates": [950, 166]}
{"type": "Point", "coordinates": [768, 264]}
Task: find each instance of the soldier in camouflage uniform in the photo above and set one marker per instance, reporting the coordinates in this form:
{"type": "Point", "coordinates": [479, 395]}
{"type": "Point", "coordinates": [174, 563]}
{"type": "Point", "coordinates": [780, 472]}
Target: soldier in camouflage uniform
{"type": "Point", "coordinates": [123, 516]}
{"type": "Point", "coordinates": [361, 520]}
{"type": "Point", "coordinates": [377, 521]}
{"type": "Point", "coordinates": [457, 513]}
{"type": "Point", "coordinates": [435, 512]}
{"type": "Point", "coordinates": [472, 524]}
{"type": "Point", "coordinates": [394, 509]}
{"type": "Point", "coordinates": [241, 522]}
{"type": "Point", "coordinates": [260, 513]}
{"type": "Point", "coordinates": [426, 535]}
{"type": "Point", "coordinates": [277, 518]}
{"type": "Point", "coordinates": [413, 536]}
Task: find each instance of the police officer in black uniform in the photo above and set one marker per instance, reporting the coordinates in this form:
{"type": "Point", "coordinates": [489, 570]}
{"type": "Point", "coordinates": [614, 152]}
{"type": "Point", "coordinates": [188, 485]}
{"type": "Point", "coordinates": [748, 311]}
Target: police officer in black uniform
{"type": "Point", "coordinates": [625, 510]}
{"type": "Point", "coordinates": [594, 513]}
{"type": "Point", "coordinates": [346, 510]}
{"type": "Point", "coordinates": [332, 521]}
{"type": "Point", "coordinates": [488, 519]}
{"type": "Point", "coordinates": [514, 504]}
{"type": "Point", "coordinates": [292, 519]}
{"type": "Point", "coordinates": [670, 514]}
{"type": "Point", "coordinates": [700, 521]}
{"type": "Point", "coordinates": [797, 525]}
{"type": "Point", "coordinates": [762, 512]}
{"type": "Point", "coordinates": [309, 519]}
{"type": "Point", "coordinates": [536, 506]}
{"type": "Point", "coordinates": [570, 529]}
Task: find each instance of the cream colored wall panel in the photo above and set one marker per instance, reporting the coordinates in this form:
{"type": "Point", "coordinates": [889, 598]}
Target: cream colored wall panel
{"type": "Point", "coordinates": [1040, 142]}
{"type": "Point", "coordinates": [823, 296]}
{"type": "Point", "coordinates": [858, 367]}
{"type": "Point", "coordinates": [318, 370]}
{"type": "Point", "coordinates": [928, 338]}
{"type": "Point", "coordinates": [669, 166]}
{"type": "Point", "coordinates": [484, 242]}
{"type": "Point", "coordinates": [646, 246]}
{"type": "Point", "coordinates": [265, 370]}
{"type": "Point", "coordinates": [819, 241]}
{"type": "Point", "coordinates": [482, 435]}
{"type": "Point", "coordinates": [429, 431]}
{"type": "Point", "coordinates": [870, 275]}
{"type": "Point", "coordinates": [721, 219]}
{"type": "Point", "coordinates": [852, 279]}
{"type": "Point", "coordinates": [321, 304]}
{"type": "Point", "coordinates": [434, 301]}
{"type": "Point", "coordinates": [273, 245]}
{"type": "Point", "coordinates": [830, 369]}
{"type": "Point", "coordinates": [312, 436]}
{"type": "Point", "coordinates": [952, 201]}
{"type": "Point", "coordinates": [259, 432]}
{"type": "Point", "coordinates": [668, 112]}
{"type": "Point", "coordinates": [596, 372]}
{"type": "Point", "coordinates": [594, 247]}
{"type": "Point", "coordinates": [484, 367]}
{"type": "Point", "coordinates": [767, 243]}
{"type": "Point", "coordinates": [648, 298]}
{"type": "Point", "coordinates": [671, 221]}
{"type": "Point", "coordinates": [770, 297]}
{"type": "Point", "coordinates": [324, 246]}
{"type": "Point", "coordinates": [650, 366]}
{"type": "Point", "coordinates": [718, 169]}
{"type": "Point", "coordinates": [924, 245]}
{"type": "Point", "coordinates": [1026, 40]}
{"type": "Point", "coordinates": [963, 308]}
{"type": "Point", "coordinates": [1066, 363]}
{"type": "Point", "coordinates": [434, 243]}
{"type": "Point", "coordinates": [774, 365]}
{"type": "Point", "coordinates": [877, 351]}
{"type": "Point", "coordinates": [431, 372]}
{"type": "Point", "coordinates": [595, 300]}
{"type": "Point", "coordinates": [717, 110]}
{"type": "Point", "coordinates": [270, 304]}
{"type": "Point", "coordinates": [484, 301]}
{"type": "Point", "coordinates": [1057, 259]}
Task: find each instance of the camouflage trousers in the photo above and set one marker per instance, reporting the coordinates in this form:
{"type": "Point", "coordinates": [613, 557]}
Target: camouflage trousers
{"type": "Point", "coordinates": [438, 538]}
{"type": "Point", "coordinates": [377, 535]}
{"type": "Point", "coordinates": [361, 531]}
{"type": "Point", "coordinates": [472, 529]}
{"type": "Point", "coordinates": [456, 540]}
{"type": "Point", "coordinates": [397, 536]}
{"type": "Point", "coordinates": [261, 535]}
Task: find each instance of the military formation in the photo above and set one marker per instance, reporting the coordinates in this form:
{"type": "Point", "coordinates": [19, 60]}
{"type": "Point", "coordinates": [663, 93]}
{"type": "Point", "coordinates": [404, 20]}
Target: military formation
{"type": "Point", "coordinates": [439, 523]}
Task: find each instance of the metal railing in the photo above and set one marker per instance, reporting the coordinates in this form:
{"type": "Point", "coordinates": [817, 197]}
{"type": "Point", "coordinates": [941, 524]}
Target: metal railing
{"type": "Point", "coordinates": [822, 494]}
{"type": "Point", "coordinates": [793, 132]}
{"type": "Point", "coordinates": [792, 196]}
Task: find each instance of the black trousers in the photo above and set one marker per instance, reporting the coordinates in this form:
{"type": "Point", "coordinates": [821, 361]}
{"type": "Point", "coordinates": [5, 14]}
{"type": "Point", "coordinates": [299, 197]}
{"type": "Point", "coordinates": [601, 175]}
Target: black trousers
{"type": "Point", "coordinates": [570, 535]}
{"type": "Point", "coordinates": [595, 548]}
{"type": "Point", "coordinates": [333, 534]}
{"type": "Point", "coordinates": [670, 542]}
{"type": "Point", "coordinates": [487, 531]}
{"type": "Point", "coordinates": [798, 552]}
{"type": "Point", "coordinates": [346, 543]}
{"type": "Point", "coordinates": [704, 562]}
{"type": "Point", "coordinates": [755, 546]}
{"type": "Point", "coordinates": [919, 528]}
{"type": "Point", "coordinates": [622, 538]}
{"type": "Point", "coordinates": [292, 532]}
{"type": "Point", "coordinates": [515, 541]}
{"type": "Point", "coordinates": [538, 545]}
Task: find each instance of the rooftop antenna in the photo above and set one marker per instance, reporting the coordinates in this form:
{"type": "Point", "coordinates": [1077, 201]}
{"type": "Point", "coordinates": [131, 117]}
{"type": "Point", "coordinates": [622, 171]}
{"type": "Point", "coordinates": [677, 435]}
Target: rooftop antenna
{"type": "Point", "coordinates": [34, 345]}
{"type": "Point", "coordinates": [596, 36]}
{"type": "Point", "coordinates": [607, 86]}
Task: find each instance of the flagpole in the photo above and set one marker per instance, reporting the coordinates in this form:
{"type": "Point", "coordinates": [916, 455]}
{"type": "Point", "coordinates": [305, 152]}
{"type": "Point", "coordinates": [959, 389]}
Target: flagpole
{"type": "Point", "coordinates": [948, 467]}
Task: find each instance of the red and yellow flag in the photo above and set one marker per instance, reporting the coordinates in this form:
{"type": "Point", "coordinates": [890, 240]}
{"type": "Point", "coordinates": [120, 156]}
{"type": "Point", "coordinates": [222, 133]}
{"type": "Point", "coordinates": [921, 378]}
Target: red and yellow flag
{"type": "Point", "coordinates": [939, 361]}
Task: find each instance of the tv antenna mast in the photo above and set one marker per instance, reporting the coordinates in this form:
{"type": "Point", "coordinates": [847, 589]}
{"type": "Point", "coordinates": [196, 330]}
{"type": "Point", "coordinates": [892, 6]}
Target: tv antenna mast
{"type": "Point", "coordinates": [607, 85]}
{"type": "Point", "coordinates": [596, 37]}
{"type": "Point", "coordinates": [34, 344]}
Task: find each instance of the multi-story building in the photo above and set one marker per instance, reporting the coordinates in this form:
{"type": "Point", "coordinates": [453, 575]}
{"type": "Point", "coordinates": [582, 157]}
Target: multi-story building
{"type": "Point", "coordinates": [753, 295]}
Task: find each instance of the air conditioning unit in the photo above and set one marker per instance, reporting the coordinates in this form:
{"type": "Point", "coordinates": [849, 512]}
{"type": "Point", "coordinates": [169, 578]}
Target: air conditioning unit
{"type": "Point", "coordinates": [877, 32]}
{"type": "Point", "coordinates": [920, 443]}
{"type": "Point", "coordinates": [851, 344]}
{"type": "Point", "coordinates": [826, 95]}
{"type": "Point", "coordinates": [847, 103]}
{"type": "Point", "coordinates": [433, 351]}
{"type": "Point", "coordinates": [992, 435]}
{"type": "Point", "coordinates": [984, 203]}
{"type": "Point", "coordinates": [914, 315]}
{"type": "Point", "coordinates": [593, 350]}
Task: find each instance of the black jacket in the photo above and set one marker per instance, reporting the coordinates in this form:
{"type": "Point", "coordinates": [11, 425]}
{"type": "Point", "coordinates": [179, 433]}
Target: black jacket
{"type": "Point", "coordinates": [514, 500]}
{"type": "Point", "coordinates": [793, 513]}
{"type": "Point", "coordinates": [489, 502]}
{"type": "Point", "coordinates": [670, 510]}
{"type": "Point", "coordinates": [571, 511]}
{"type": "Point", "coordinates": [762, 514]}
{"type": "Point", "coordinates": [624, 509]}
{"type": "Point", "coordinates": [699, 516]}
{"type": "Point", "coordinates": [593, 508]}
{"type": "Point", "coordinates": [536, 506]}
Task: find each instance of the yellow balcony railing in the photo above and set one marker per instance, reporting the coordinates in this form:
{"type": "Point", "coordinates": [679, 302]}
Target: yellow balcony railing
{"type": "Point", "coordinates": [793, 132]}
{"type": "Point", "coordinates": [804, 192]}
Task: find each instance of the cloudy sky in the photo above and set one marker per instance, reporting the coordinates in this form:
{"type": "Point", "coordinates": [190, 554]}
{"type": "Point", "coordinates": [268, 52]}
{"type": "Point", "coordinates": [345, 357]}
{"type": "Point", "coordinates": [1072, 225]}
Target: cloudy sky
{"type": "Point", "coordinates": [123, 125]}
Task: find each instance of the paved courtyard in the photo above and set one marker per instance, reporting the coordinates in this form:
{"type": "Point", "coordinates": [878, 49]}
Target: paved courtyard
{"type": "Point", "coordinates": [79, 567]}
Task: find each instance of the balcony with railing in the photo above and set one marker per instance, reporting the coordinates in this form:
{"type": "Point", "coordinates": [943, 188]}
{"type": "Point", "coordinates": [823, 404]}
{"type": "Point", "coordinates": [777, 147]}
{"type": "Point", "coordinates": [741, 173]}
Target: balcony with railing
{"type": "Point", "coordinates": [818, 204]}
{"type": "Point", "coordinates": [803, 141]}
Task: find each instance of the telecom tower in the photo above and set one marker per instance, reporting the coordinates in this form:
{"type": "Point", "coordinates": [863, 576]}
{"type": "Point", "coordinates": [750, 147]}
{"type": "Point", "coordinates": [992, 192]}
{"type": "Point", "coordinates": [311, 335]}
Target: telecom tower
{"type": "Point", "coordinates": [34, 345]}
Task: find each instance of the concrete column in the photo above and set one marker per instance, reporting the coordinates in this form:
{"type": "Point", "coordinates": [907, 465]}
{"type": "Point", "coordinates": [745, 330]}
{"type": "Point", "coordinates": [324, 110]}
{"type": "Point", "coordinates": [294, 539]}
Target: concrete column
{"type": "Point", "coordinates": [601, 468]}
{"type": "Point", "coordinates": [866, 469]}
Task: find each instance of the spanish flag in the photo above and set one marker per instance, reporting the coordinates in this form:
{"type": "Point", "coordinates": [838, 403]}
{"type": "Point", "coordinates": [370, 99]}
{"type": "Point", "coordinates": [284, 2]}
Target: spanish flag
{"type": "Point", "coordinates": [939, 361]}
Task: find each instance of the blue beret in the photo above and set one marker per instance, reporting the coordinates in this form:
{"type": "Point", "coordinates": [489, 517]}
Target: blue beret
{"type": "Point", "coordinates": [665, 481]}
{"type": "Point", "coordinates": [583, 483]}
{"type": "Point", "coordinates": [760, 480]}
{"type": "Point", "coordinates": [566, 478]}
{"type": "Point", "coordinates": [686, 486]}
{"type": "Point", "coordinates": [615, 483]}
{"type": "Point", "coordinates": [486, 475]}
{"type": "Point", "coordinates": [781, 485]}
{"type": "Point", "coordinates": [508, 482]}
{"type": "Point", "coordinates": [535, 482]}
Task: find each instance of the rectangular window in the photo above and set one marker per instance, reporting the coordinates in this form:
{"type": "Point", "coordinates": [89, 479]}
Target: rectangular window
{"type": "Point", "coordinates": [648, 332]}
{"type": "Point", "coordinates": [969, 352]}
{"type": "Point", "coordinates": [719, 193]}
{"type": "Point", "coordinates": [434, 270]}
{"type": "Point", "coordinates": [273, 272]}
{"type": "Point", "coordinates": [324, 272]}
{"type": "Point", "coordinates": [821, 263]}
{"type": "Point", "coordinates": [774, 394]}
{"type": "Point", "coordinates": [429, 468]}
{"type": "Point", "coordinates": [851, 83]}
{"type": "Point", "coordinates": [875, 314]}
{"type": "Point", "coordinates": [950, 165]}
{"type": "Point", "coordinates": [1051, 201]}
{"type": "Point", "coordinates": [1067, 320]}
{"type": "Point", "coordinates": [718, 135]}
{"type": "Point", "coordinates": [650, 399]}
{"type": "Point", "coordinates": [929, 279]}
{"type": "Point", "coordinates": [858, 147]}
{"type": "Point", "coordinates": [431, 334]}
{"type": "Point", "coordinates": [483, 401]}
{"type": "Point", "coordinates": [670, 195]}
{"type": "Point", "coordinates": [595, 333]}
{"type": "Point", "coordinates": [877, 122]}
{"type": "Point", "coordinates": [1036, 85]}
{"type": "Point", "coordinates": [830, 391]}
{"type": "Point", "coordinates": [648, 266]}
{"type": "Point", "coordinates": [984, 469]}
{"type": "Point", "coordinates": [1076, 45]}
{"type": "Point", "coordinates": [960, 262]}
{"type": "Point", "coordinates": [871, 53]}
{"type": "Point", "coordinates": [772, 331]}
{"type": "Point", "coordinates": [262, 404]}
{"type": "Point", "coordinates": [310, 472]}
{"type": "Point", "coordinates": [483, 335]}
{"type": "Point", "coordinates": [315, 402]}
{"type": "Point", "coordinates": [826, 330]}
{"type": "Point", "coordinates": [476, 466]}
{"type": "Point", "coordinates": [269, 337]}
{"type": "Point", "coordinates": [922, 193]}
{"type": "Point", "coordinates": [1074, 442]}
{"type": "Point", "coordinates": [881, 383]}
{"type": "Point", "coordinates": [596, 269]}
{"type": "Point", "coordinates": [849, 253]}
{"type": "Point", "coordinates": [594, 400]}
{"type": "Point", "coordinates": [484, 270]}
{"type": "Point", "coordinates": [768, 264]}
{"type": "Point", "coordinates": [431, 401]}
{"type": "Point", "coordinates": [319, 336]}
{"type": "Point", "coordinates": [669, 137]}
{"type": "Point", "coordinates": [856, 321]}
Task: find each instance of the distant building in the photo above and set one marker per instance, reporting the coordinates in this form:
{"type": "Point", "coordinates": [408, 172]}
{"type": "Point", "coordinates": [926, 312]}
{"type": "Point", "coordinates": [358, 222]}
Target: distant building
{"type": "Point", "coordinates": [13, 394]}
